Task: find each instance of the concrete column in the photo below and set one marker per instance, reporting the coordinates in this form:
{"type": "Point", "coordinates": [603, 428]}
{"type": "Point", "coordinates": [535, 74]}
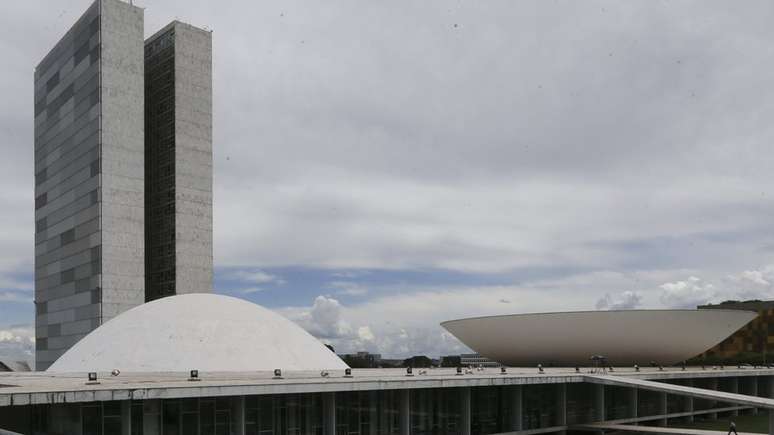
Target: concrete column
{"type": "Point", "coordinates": [405, 412]}
{"type": "Point", "coordinates": [373, 399]}
{"type": "Point", "coordinates": [599, 402]}
{"type": "Point", "coordinates": [713, 385]}
{"type": "Point", "coordinates": [517, 413]}
{"type": "Point", "coordinates": [662, 408]}
{"type": "Point", "coordinates": [126, 417]}
{"type": "Point", "coordinates": [689, 403]}
{"type": "Point", "coordinates": [329, 413]}
{"type": "Point", "coordinates": [238, 411]}
{"type": "Point", "coordinates": [633, 402]}
{"type": "Point", "coordinates": [561, 406]}
{"type": "Point", "coordinates": [735, 389]}
{"type": "Point", "coordinates": [753, 391]}
{"type": "Point", "coordinates": [465, 411]}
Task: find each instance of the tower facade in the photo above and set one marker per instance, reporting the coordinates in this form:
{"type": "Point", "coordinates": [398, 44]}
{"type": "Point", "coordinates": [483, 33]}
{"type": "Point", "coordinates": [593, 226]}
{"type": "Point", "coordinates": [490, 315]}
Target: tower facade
{"type": "Point", "coordinates": [178, 161]}
{"type": "Point", "coordinates": [123, 172]}
{"type": "Point", "coordinates": [89, 177]}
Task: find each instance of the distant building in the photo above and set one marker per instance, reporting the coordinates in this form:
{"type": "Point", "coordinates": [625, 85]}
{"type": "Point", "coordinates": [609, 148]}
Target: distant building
{"type": "Point", "coordinates": [450, 361]}
{"type": "Point", "coordinates": [362, 359]}
{"type": "Point", "coordinates": [476, 360]}
{"type": "Point", "coordinates": [752, 343]}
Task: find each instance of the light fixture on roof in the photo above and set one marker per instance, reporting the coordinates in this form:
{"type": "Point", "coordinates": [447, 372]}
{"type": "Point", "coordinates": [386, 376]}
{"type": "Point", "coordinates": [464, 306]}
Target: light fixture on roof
{"type": "Point", "coordinates": [540, 368]}
{"type": "Point", "coordinates": [636, 368]}
{"type": "Point", "coordinates": [92, 378]}
{"type": "Point", "coordinates": [277, 374]}
{"type": "Point", "coordinates": [422, 372]}
{"type": "Point", "coordinates": [409, 371]}
{"type": "Point", "coordinates": [324, 373]}
{"type": "Point", "coordinates": [577, 369]}
{"type": "Point", "coordinates": [115, 372]}
{"type": "Point", "coordinates": [660, 368]}
{"type": "Point", "coordinates": [347, 372]}
{"type": "Point", "coordinates": [502, 370]}
{"type": "Point", "coordinates": [459, 371]}
{"type": "Point", "coordinates": [682, 365]}
{"type": "Point", "coordinates": [193, 375]}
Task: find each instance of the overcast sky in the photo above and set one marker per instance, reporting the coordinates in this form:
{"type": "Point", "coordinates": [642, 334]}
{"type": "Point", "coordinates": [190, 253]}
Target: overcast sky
{"type": "Point", "coordinates": [383, 166]}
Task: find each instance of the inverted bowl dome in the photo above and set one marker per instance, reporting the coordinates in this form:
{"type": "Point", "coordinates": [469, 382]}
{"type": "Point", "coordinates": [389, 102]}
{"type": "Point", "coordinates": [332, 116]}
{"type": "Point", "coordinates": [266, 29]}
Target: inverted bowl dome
{"type": "Point", "coordinates": [207, 332]}
{"type": "Point", "coordinates": [623, 337]}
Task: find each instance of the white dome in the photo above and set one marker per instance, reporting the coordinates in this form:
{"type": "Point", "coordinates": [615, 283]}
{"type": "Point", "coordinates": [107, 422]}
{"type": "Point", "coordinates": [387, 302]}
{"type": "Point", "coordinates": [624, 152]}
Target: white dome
{"type": "Point", "coordinates": [200, 331]}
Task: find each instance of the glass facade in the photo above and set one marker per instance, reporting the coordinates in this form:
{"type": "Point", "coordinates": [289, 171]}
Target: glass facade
{"type": "Point", "coordinates": [67, 190]}
{"type": "Point", "coordinates": [539, 408]}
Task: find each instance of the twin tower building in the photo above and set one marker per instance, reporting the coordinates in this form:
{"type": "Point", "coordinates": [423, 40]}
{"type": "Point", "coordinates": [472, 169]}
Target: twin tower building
{"type": "Point", "coordinates": [123, 172]}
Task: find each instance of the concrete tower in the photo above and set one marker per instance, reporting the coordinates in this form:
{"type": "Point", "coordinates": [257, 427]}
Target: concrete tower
{"type": "Point", "coordinates": [89, 177]}
{"type": "Point", "coordinates": [178, 161]}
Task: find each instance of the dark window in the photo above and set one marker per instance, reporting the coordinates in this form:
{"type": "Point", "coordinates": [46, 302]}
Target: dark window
{"type": "Point", "coordinates": [40, 225]}
{"type": "Point", "coordinates": [82, 52]}
{"type": "Point", "coordinates": [67, 237]}
{"type": "Point", "coordinates": [94, 25]}
{"type": "Point", "coordinates": [67, 276]}
{"type": "Point", "coordinates": [96, 253]}
{"type": "Point", "coordinates": [55, 330]}
{"type": "Point", "coordinates": [95, 167]}
{"type": "Point", "coordinates": [41, 200]}
{"type": "Point", "coordinates": [41, 343]}
{"type": "Point", "coordinates": [94, 197]}
{"type": "Point", "coordinates": [41, 176]}
{"type": "Point", "coordinates": [52, 82]}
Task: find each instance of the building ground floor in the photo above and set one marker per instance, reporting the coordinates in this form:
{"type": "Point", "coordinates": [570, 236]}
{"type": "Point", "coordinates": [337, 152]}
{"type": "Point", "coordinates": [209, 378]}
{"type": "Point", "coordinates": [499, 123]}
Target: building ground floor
{"type": "Point", "coordinates": [389, 405]}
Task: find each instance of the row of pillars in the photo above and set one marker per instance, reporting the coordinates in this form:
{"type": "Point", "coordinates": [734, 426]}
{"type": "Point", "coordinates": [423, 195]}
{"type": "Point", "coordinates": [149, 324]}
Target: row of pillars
{"type": "Point", "coordinates": [516, 411]}
{"type": "Point", "coordinates": [752, 390]}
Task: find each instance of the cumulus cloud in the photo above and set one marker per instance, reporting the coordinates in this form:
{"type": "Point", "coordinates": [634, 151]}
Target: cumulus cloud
{"type": "Point", "coordinates": [688, 293]}
{"type": "Point", "coordinates": [324, 319]}
{"type": "Point", "coordinates": [17, 343]}
{"type": "Point", "coordinates": [625, 301]}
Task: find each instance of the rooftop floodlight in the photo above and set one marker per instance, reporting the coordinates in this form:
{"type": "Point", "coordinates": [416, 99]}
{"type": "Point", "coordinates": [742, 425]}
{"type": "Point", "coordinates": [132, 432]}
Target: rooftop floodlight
{"type": "Point", "coordinates": [409, 371]}
{"type": "Point", "coordinates": [347, 372]}
{"type": "Point", "coordinates": [459, 370]}
{"type": "Point", "coordinates": [540, 368]}
{"type": "Point", "coordinates": [577, 369]}
{"type": "Point", "coordinates": [682, 366]}
{"type": "Point", "coordinates": [194, 375]}
{"type": "Point", "coordinates": [653, 364]}
{"type": "Point", "coordinates": [277, 374]}
{"type": "Point", "coordinates": [660, 368]}
{"type": "Point", "coordinates": [722, 367]}
{"type": "Point", "coordinates": [422, 372]}
{"type": "Point", "coordinates": [324, 373]}
{"type": "Point", "coordinates": [92, 378]}
{"type": "Point", "coordinates": [502, 370]}
{"type": "Point", "coordinates": [115, 372]}
{"type": "Point", "coordinates": [636, 368]}
{"type": "Point", "coordinates": [703, 367]}
{"type": "Point", "coordinates": [611, 368]}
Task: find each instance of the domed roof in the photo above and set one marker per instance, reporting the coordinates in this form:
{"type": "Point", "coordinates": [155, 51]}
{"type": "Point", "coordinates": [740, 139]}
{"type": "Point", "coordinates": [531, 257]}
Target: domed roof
{"type": "Point", "coordinates": [207, 332]}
